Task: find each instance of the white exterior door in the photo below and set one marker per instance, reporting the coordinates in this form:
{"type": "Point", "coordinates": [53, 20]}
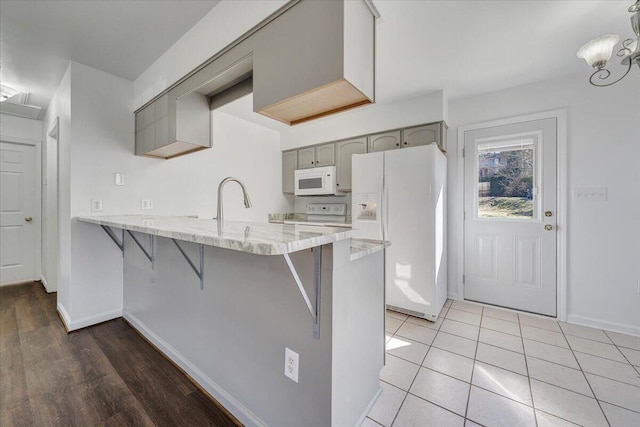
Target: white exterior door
{"type": "Point", "coordinates": [510, 216]}
{"type": "Point", "coordinates": [19, 213]}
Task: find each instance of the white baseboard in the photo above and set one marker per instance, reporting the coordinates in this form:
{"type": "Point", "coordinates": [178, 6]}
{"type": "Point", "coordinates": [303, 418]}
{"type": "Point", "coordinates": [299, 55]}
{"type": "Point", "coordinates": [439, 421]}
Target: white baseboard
{"type": "Point", "coordinates": [604, 324]}
{"type": "Point", "coordinates": [64, 316]}
{"type": "Point", "coordinates": [452, 295]}
{"type": "Point", "coordinates": [46, 285]}
{"type": "Point", "coordinates": [369, 406]}
{"type": "Point", "coordinates": [74, 325]}
{"type": "Point", "coordinates": [242, 413]}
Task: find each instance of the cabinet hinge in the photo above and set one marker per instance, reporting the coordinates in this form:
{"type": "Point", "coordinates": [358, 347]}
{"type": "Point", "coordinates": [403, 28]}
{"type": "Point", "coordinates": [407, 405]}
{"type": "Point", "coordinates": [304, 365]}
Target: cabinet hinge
{"type": "Point", "coordinates": [463, 152]}
{"type": "Point", "coordinates": [463, 278]}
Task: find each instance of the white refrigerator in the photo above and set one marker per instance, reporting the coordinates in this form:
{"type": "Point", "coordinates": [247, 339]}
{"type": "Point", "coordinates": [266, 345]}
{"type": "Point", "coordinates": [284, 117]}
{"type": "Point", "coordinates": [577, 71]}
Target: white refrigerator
{"type": "Point", "coordinates": [399, 196]}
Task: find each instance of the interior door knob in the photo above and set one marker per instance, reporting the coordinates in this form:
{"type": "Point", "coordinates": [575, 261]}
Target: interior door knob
{"type": "Point", "coordinates": [548, 227]}
{"type": "Point", "coordinates": [28, 219]}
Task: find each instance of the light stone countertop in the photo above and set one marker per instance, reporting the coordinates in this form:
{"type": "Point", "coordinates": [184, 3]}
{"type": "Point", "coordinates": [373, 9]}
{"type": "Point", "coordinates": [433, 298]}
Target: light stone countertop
{"type": "Point", "coordinates": [257, 238]}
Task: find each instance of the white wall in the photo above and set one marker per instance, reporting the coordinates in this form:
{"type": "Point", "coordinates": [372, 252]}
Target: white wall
{"type": "Point", "coordinates": [366, 120]}
{"type": "Point", "coordinates": [603, 151]}
{"type": "Point", "coordinates": [227, 21]}
{"type": "Point", "coordinates": [57, 255]}
{"type": "Point", "coordinates": [102, 144]}
{"type": "Point", "coordinates": [19, 127]}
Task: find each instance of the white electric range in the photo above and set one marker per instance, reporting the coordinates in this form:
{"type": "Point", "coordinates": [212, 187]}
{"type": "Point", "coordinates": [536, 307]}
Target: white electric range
{"type": "Point", "coordinates": [324, 214]}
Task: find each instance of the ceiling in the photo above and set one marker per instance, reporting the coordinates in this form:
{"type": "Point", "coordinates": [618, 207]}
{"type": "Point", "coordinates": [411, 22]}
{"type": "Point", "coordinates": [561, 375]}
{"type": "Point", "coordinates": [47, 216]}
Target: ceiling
{"type": "Point", "coordinates": [38, 38]}
{"type": "Point", "coordinates": [472, 47]}
{"type": "Point", "coordinates": [464, 47]}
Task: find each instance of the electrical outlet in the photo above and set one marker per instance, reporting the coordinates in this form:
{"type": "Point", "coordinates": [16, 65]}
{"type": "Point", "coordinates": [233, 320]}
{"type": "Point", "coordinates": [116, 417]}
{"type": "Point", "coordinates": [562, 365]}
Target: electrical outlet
{"type": "Point", "coordinates": [96, 205]}
{"type": "Point", "coordinates": [146, 204]}
{"type": "Point", "coordinates": [291, 359]}
{"type": "Point", "coordinates": [119, 179]}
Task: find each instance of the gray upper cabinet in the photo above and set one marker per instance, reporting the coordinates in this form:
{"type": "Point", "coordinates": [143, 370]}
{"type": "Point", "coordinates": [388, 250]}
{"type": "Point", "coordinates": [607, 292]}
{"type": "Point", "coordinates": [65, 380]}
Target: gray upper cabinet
{"type": "Point", "coordinates": [289, 165]}
{"type": "Point", "coordinates": [315, 59]}
{"type": "Point", "coordinates": [384, 141]}
{"type": "Point", "coordinates": [314, 157]}
{"type": "Point", "coordinates": [325, 155]}
{"type": "Point", "coordinates": [306, 158]}
{"type": "Point", "coordinates": [344, 151]}
{"type": "Point", "coordinates": [170, 126]}
{"type": "Point", "coordinates": [422, 135]}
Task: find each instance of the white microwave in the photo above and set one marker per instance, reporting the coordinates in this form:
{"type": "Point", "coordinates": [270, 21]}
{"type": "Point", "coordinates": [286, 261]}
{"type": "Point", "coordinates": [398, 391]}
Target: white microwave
{"type": "Point", "coordinates": [316, 182]}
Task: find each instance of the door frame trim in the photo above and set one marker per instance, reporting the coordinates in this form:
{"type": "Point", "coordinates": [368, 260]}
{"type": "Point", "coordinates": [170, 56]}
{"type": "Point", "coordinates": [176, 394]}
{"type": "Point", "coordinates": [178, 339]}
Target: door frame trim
{"type": "Point", "coordinates": [562, 198]}
{"type": "Point", "coordinates": [37, 144]}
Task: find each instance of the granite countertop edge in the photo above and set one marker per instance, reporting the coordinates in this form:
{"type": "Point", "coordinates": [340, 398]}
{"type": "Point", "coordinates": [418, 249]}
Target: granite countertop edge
{"type": "Point", "coordinates": [268, 238]}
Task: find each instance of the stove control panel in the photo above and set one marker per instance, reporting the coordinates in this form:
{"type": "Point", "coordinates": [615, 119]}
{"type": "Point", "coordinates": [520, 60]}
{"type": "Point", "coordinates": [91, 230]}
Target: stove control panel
{"type": "Point", "coordinates": [326, 209]}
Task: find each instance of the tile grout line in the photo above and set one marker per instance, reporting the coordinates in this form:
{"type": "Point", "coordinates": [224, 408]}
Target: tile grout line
{"type": "Point", "coordinates": [473, 370]}
{"type": "Point", "coordinates": [420, 366]}
{"type": "Point", "coordinates": [526, 365]}
{"type": "Point", "coordinates": [585, 378]}
{"type": "Point", "coordinates": [618, 348]}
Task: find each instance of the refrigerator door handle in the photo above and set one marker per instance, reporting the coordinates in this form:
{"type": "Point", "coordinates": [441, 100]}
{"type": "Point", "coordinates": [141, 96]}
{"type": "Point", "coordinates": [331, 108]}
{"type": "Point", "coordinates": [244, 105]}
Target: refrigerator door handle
{"type": "Point", "coordinates": [381, 220]}
{"type": "Point", "coordinates": [386, 211]}
{"type": "Point", "coordinates": [385, 219]}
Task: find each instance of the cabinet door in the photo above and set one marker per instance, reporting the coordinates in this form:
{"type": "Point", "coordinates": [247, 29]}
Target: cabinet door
{"type": "Point", "coordinates": [384, 141]}
{"type": "Point", "coordinates": [289, 165]}
{"type": "Point", "coordinates": [148, 139]}
{"type": "Point", "coordinates": [421, 135]}
{"type": "Point", "coordinates": [325, 155]}
{"type": "Point", "coordinates": [306, 158]}
{"type": "Point", "coordinates": [344, 151]}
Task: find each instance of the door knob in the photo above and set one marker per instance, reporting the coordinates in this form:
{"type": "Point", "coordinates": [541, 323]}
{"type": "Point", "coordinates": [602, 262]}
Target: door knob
{"type": "Point", "coordinates": [548, 213]}
{"type": "Point", "coordinates": [548, 227]}
{"type": "Point", "coordinates": [28, 219]}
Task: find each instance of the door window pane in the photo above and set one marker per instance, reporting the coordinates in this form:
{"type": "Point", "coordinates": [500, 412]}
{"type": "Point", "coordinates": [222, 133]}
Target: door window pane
{"type": "Point", "coordinates": [506, 180]}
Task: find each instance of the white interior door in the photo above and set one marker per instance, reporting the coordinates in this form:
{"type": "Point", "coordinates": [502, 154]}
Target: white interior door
{"type": "Point", "coordinates": [19, 213]}
{"type": "Point", "coordinates": [510, 216]}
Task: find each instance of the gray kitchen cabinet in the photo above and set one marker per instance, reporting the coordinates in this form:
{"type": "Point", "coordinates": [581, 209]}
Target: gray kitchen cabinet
{"type": "Point", "coordinates": [325, 155]}
{"type": "Point", "coordinates": [384, 141]}
{"type": "Point", "coordinates": [289, 166]}
{"type": "Point", "coordinates": [344, 151]}
{"type": "Point", "coordinates": [422, 135]}
{"type": "Point", "coordinates": [306, 158]}
{"type": "Point", "coordinates": [314, 157]}
{"type": "Point", "coordinates": [315, 59]}
{"type": "Point", "coordinates": [170, 126]}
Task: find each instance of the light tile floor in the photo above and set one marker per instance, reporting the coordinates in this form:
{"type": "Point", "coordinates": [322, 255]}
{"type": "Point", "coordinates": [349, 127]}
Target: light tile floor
{"type": "Point", "coordinates": [485, 366]}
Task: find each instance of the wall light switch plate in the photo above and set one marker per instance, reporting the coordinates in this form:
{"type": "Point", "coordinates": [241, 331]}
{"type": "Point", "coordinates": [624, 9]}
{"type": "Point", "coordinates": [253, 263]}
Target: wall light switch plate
{"type": "Point", "coordinates": [599, 193]}
{"type": "Point", "coordinates": [146, 204]}
{"type": "Point", "coordinates": [119, 178]}
{"type": "Point", "coordinates": [96, 205]}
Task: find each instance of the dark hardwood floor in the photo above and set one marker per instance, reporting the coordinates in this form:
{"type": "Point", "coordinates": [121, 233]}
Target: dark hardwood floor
{"type": "Point", "coordinates": [103, 375]}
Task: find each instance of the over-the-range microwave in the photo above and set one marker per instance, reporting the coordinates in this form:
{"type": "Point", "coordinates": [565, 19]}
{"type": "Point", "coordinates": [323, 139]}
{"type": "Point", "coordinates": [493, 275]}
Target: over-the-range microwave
{"type": "Point", "coordinates": [316, 182]}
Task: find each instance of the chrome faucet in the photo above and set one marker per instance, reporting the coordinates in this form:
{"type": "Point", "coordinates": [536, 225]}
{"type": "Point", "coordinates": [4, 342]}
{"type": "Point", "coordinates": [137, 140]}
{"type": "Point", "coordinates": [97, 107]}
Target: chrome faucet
{"type": "Point", "coordinates": [247, 201]}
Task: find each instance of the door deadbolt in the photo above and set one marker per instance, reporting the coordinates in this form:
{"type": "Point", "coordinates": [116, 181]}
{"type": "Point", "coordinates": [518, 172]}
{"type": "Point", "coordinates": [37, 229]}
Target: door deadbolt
{"type": "Point", "coordinates": [548, 227]}
{"type": "Point", "coordinates": [548, 213]}
{"type": "Point", "coordinates": [28, 219]}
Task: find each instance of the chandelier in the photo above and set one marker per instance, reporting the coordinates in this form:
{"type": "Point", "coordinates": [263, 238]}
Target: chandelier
{"type": "Point", "coordinates": [597, 52]}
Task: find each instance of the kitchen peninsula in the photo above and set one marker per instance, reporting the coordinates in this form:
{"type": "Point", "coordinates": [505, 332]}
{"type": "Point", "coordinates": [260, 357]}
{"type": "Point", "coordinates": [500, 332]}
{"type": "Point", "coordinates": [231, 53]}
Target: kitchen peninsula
{"type": "Point", "coordinates": [224, 305]}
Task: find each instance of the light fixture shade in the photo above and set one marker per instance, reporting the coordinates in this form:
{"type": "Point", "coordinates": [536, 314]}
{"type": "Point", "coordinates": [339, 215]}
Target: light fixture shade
{"type": "Point", "coordinates": [597, 52]}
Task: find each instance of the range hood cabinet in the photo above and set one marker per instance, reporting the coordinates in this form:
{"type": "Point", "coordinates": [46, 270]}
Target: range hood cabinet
{"type": "Point", "coordinates": [315, 59]}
